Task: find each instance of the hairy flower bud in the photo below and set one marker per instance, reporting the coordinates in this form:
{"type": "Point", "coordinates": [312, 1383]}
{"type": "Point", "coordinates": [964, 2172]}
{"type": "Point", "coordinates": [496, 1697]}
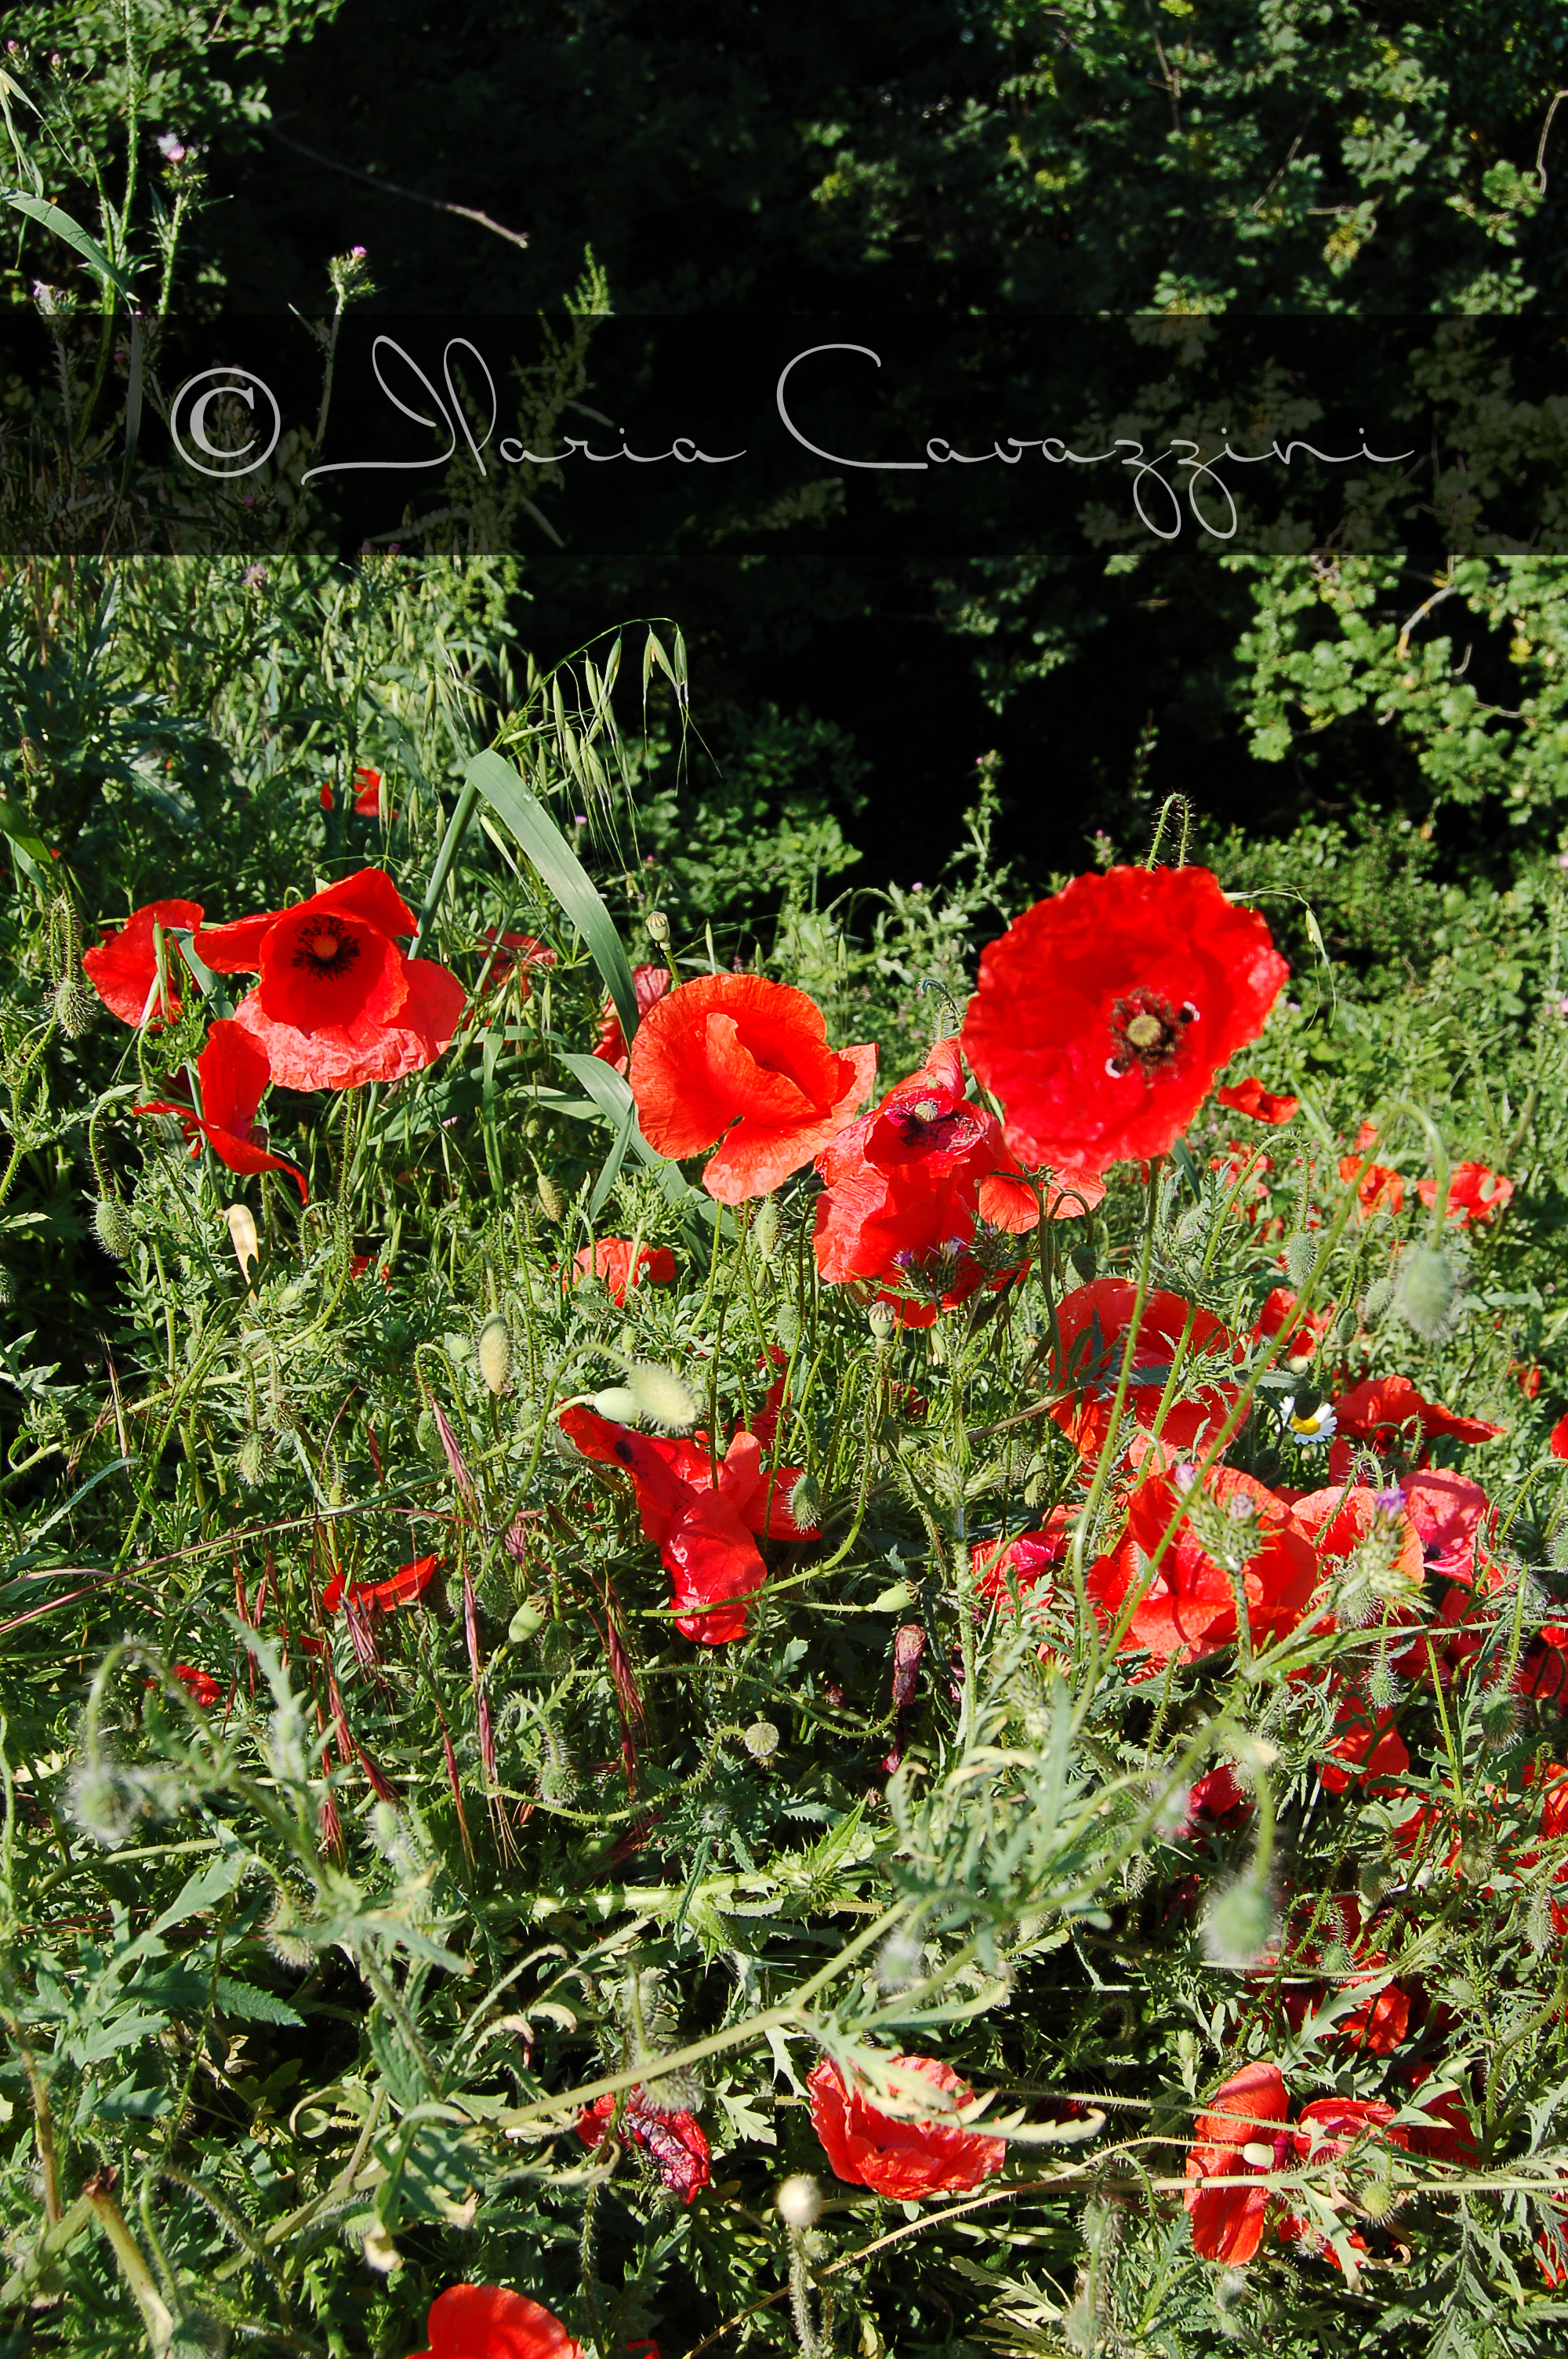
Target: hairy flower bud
{"type": "Point", "coordinates": [662, 1396]}
{"type": "Point", "coordinates": [619, 1403]}
{"type": "Point", "coordinates": [112, 1227]}
{"type": "Point", "coordinates": [1425, 1292]}
{"type": "Point", "coordinates": [800, 2200]}
{"type": "Point", "coordinates": [250, 1459]}
{"type": "Point", "coordinates": [805, 1500]}
{"type": "Point", "coordinates": [1239, 1924]}
{"type": "Point", "coordinates": [495, 1353]}
{"type": "Point", "coordinates": [552, 1203]}
{"type": "Point", "coordinates": [765, 1229]}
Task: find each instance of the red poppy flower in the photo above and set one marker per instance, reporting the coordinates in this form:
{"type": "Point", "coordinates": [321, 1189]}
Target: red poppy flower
{"type": "Point", "coordinates": [1233, 1527]}
{"type": "Point", "coordinates": [515, 953]}
{"type": "Point", "coordinates": [1327, 2130]}
{"type": "Point", "coordinates": [483, 2321]}
{"type": "Point", "coordinates": [1366, 1746]}
{"type": "Point", "coordinates": [1449, 1514]}
{"type": "Point", "coordinates": [706, 1533]}
{"type": "Point", "coordinates": [123, 969]}
{"type": "Point", "coordinates": [674, 2139]}
{"type": "Point", "coordinates": [1383, 1408]}
{"type": "Point", "coordinates": [1526, 1374]}
{"type": "Point", "coordinates": [1251, 1097]}
{"type": "Point", "coordinates": [737, 1058]}
{"type": "Point", "coordinates": [233, 1071]}
{"type": "Point", "coordinates": [1217, 1804]}
{"type": "Point", "coordinates": [1303, 1334]}
{"type": "Point", "coordinates": [338, 1003]}
{"type": "Point", "coordinates": [1024, 1562]}
{"type": "Point", "coordinates": [1092, 1324]}
{"type": "Point", "coordinates": [1542, 1669]}
{"type": "Point", "coordinates": [1380, 2022]}
{"type": "Point", "coordinates": [648, 984]}
{"type": "Point", "coordinates": [611, 1260]}
{"type": "Point", "coordinates": [1557, 1439]}
{"type": "Point", "coordinates": [1237, 2139]}
{"type": "Point", "coordinates": [1474, 1193]}
{"type": "Point", "coordinates": [1446, 2136]}
{"type": "Point", "coordinates": [908, 2160]}
{"type": "Point", "coordinates": [1380, 1188]}
{"type": "Point", "coordinates": [1341, 1517]}
{"type": "Point", "coordinates": [201, 1686]}
{"type": "Point", "coordinates": [406, 1586]}
{"type": "Point", "coordinates": [905, 1185]}
{"type": "Point", "coordinates": [1103, 1013]}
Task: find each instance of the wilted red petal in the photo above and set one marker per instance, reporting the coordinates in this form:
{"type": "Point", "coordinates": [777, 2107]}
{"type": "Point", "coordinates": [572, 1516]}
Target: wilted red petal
{"type": "Point", "coordinates": [905, 2159]}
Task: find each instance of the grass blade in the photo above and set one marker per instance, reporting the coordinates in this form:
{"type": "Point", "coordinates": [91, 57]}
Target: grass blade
{"type": "Point", "coordinates": [533, 828]}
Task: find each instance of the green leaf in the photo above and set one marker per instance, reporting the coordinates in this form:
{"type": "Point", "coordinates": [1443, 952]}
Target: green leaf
{"type": "Point", "coordinates": [244, 2001]}
{"type": "Point", "coordinates": [39, 208]}
{"type": "Point", "coordinates": [536, 833]}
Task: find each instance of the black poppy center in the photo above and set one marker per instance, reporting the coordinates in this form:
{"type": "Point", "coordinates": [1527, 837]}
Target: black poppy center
{"type": "Point", "coordinates": [1146, 1031]}
{"type": "Point", "coordinates": [929, 1122]}
{"type": "Point", "coordinates": [329, 950]}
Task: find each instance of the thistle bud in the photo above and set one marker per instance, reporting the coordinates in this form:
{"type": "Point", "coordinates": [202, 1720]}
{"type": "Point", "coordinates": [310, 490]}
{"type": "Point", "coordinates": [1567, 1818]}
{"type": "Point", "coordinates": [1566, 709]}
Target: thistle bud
{"type": "Point", "coordinates": [495, 1353]}
{"type": "Point", "coordinates": [661, 1396]}
{"type": "Point", "coordinates": [800, 2200]}
{"type": "Point", "coordinates": [112, 1227]}
{"type": "Point", "coordinates": [1425, 1292]}
{"type": "Point", "coordinates": [552, 1203]}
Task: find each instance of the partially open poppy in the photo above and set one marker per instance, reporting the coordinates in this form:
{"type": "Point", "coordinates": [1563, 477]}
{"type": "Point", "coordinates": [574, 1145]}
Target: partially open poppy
{"type": "Point", "coordinates": [1092, 1324]}
{"type": "Point", "coordinates": [737, 1060]}
{"type": "Point", "coordinates": [1385, 1409]}
{"type": "Point", "coordinates": [906, 1184]}
{"type": "Point", "coordinates": [123, 969]}
{"type": "Point", "coordinates": [233, 1071]}
{"type": "Point", "coordinates": [1237, 2139]}
{"type": "Point", "coordinates": [406, 1586]}
{"type": "Point", "coordinates": [201, 1686]}
{"type": "Point", "coordinates": [1233, 1532]}
{"type": "Point", "coordinates": [484, 2321]}
{"type": "Point", "coordinates": [908, 2160]}
{"type": "Point", "coordinates": [706, 1532]}
{"type": "Point", "coordinates": [1475, 1193]}
{"type": "Point", "coordinates": [610, 1261]}
{"type": "Point", "coordinates": [1104, 1013]}
{"type": "Point", "coordinates": [338, 1003]}
{"type": "Point", "coordinates": [1251, 1097]}
{"type": "Point", "coordinates": [676, 2139]}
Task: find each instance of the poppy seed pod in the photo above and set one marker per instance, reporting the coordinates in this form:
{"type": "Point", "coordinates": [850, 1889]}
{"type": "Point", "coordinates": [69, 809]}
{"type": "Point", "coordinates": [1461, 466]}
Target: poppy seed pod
{"type": "Point", "coordinates": [761, 1740]}
{"type": "Point", "coordinates": [800, 2200]}
{"type": "Point", "coordinates": [661, 1397]}
{"type": "Point", "coordinates": [495, 1353]}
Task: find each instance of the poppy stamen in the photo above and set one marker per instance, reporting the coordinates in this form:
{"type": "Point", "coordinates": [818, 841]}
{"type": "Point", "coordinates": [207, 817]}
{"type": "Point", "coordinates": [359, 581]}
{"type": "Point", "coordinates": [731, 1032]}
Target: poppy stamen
{"type": "Point", "coordinates": [329, 950]}
{"type": "Point", "coordinates": [1146, 1031]}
